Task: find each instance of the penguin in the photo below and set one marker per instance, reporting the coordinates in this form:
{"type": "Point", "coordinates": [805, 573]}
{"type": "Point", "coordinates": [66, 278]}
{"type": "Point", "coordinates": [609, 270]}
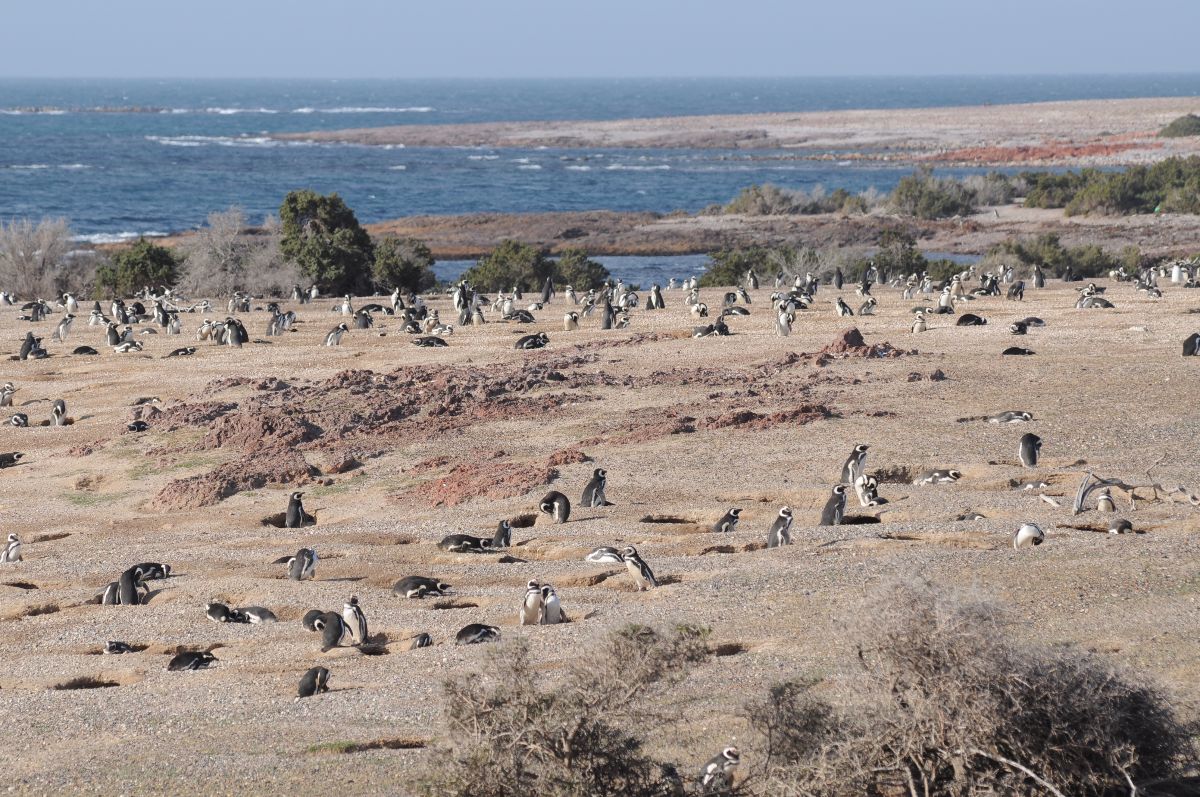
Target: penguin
{"type": "Point", "coordinates": [115, 648]}
{"type": "Point", "coordinates": [571, 321]}
{"type": "Point", "coordinates": [1104, 502]}
{"type": "Point", "coordinates": [867, 489]}
{"type": "Point", "coordinates": [855, 464]}
{"type": "Point", "coordinates": [868, 307]}
{"type": "Point", "coordinates": [1018, 351]}
{"type": "Point", "coordinates": [593, 493]}
{"type": "Point", "coordinates": [417, 587]}
{"type": "Point", "coordinates": [1120, 526]}
{"type": "Point", "coordinates": [333, 629]}
{"type": "Point", "coordinates": [970, 320]}
{"type": "Point", "coordinates": [257, 614]}
{"type": "Point", "coordinates": [605, 554]}
{"type": "Point", "coordinates": [313, 682]}
{"type": "Point", "coordinates": [219, 613]}
{"type": "Point", "coordinates": [19, 420]}
{"type": "Point", "coordinates": [294, 517]}
{"type": "Point", "coordinates": [1031, 444]}
{"type": "Point", "coordinates": [334, 338]}
{"type": "Point", "coordinates": [6, 394]}
{"type": "Point", "coordinates": [783, 323]}
{"type": "Point", "coordinates": [556, 505]}
{"type": "Point", "coordinates": [185, 351]}
{"type": "Point", "coordinates": [531, 607]}
{"type": "Point", "coordinates": [637, 567]}
{"type": "Point", "coordinates": [58, 413]}
{"type": "Point", "coordinates": [1028, 534]}
{"type": "Point", "coordinates": [355, 619]}
{"type": "Point", "coordinates": [728, 521]}
{"type": "Point", "coordinates": [191, 660]}
{"type": "Point", "coordinates": [503, 537]}
{"type": "Point", "coordinates": [838, 279]}
{"type": "Point", "coordinates": [780, 532]}
{"type": "Point", "coordinates": [430, 342]}
{"type": "Point", "coordinates": [552, 612]}
{"type": "Point", "coordinates": [421, 640]}
{"type": "Point", "coordinates": [128, 346]}
{"type": "Point", "coordinates": [1191, 345]}
{"type": "Point", "coordinates": [919, 324]}
{"type": "Point", "coordinates": [937, 476]}
{"type": "Point", "coordinates": [1011, 416]}
{"type": "Point", "coordinates": [309, 620]}
{"type": "Point", "coordinates": [303, 565]}
{"type": "Point", "coordinates": [1016, 291]}
{"type": "Point", "coordinates": [12, 550]}
{"type": "Point", "coordinates": [138, 426]}
{"type": "Point", "coordinates": [476, 633]}
{"type": "Point", "coordinates": [535, 341]}
{"type": "Point", "coordinates": [1018, 328]}
{"type": "Point", "coordinates": [464, 543]}
{"type": "Point", "coordinates": [111, 596]}
{"type": "Point", "coordinates": [64, 326]}
{"type": "Point", "coordinates": [717, 775]}
{"type": "Point", "coordinates": [130, 587]}
{"type": "Point", "coordinates": [835, 507]}
{"type": "Point", "coordinates": [10, 459]}
{"type": "Point", "coordinates": [843, 309]}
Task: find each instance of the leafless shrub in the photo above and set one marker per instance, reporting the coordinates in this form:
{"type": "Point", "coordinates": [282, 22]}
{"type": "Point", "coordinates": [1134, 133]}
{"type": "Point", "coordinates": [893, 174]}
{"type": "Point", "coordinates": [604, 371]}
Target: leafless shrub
{"type": "Point", "coordinates": [36, 259]}
{"type": "Point", "coordinates": [226, 256]}
{"type": "Point", "coordinates": [956, 706]}
{"type": "Point", "coordinates": [509, 734]}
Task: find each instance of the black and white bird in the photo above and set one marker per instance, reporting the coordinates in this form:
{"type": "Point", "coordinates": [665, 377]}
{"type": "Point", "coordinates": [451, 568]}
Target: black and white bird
{"type": "Point", "coordinates": [12, 550]}
{"type": "Point", "coordinates": [531, 606]}
{"type": "Point", "coordinates": [303, 565]}
{"type": "Point", "coordinates": [717, 775]}
{"type": "Point", "coordinates": [475, 633]}
{"type": "Point", "coordinates": [593, 493]}
{"type": "Point", "coordinates": [464, 543]}
{"type": "Point", "coordinates": [334, 337]}
{"type": "Point", "coordinates": [1031, 446]}
{"type": "Point", "coordinates": [191, 660]}
{"type": "Point", "coordinates": [728, 521]}
{"type": "Point", "coordinates": [835, 507]}
{"type": "Point", "coordinates": [58, 413]}
{"type": "Point", "coordinates": [333, 629]}
{"type": "Point", "coordinates": [257, 614]}
{"type": "Point", "coordinates": [643, 576]}
{"type": "Point", "coordinates": [116, 648]}
{"type": "Point", "coordinates": [937, 476]}
{"type": "Point", "coordinates": [1028, 534]}
{"type": "Point", "coordinates": [220, 613]}
{"type": "Point", "coordinates": [313, 682]}
{"type": "Point", "coordinates": [295, 517]}
{"type": "Point", "coordinates": [552, 612]}
{"type": "Point", "coordinates": [417, 587]}
{"type": "Point", "coordinates": [855, 464]}
{"type": "Point", "coordinates": [355, 619]}
{"type": "Point", "coordinates": [556, 505]}
{"type": "Point", "coordinates": [780, 532]}
{"type": "Point", "coordinates": [605, 554]}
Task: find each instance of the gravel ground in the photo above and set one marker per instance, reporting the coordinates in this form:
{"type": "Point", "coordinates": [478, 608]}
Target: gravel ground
{"type": "Point", "coordinates": [1106, 386]}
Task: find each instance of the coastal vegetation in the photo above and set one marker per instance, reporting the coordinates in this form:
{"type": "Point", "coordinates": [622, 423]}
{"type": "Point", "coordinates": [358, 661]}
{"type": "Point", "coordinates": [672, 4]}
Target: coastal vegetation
{"type": "Point", "coordinates": [145, 264]}
{"type": "Point", "coordinates": [323, 237]}
{"type": "Point", "coordinates": [938, 696]}
{"type": "Point", "coordinates": [1047, 251]}
{"type": "Point", "coordinates": [527, 267]}
{"type": "Point", "coordinates": [1186, 125]}
{"type": "Point", "coordinates": [226, 256]}
{"type": "Point", "coordinates": [404, 263]}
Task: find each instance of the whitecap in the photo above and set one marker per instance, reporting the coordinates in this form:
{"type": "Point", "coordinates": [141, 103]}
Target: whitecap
{"type": "Point", "coordinates": [529, 166]}
{"type": "Point", "coordinates": [117, 237]}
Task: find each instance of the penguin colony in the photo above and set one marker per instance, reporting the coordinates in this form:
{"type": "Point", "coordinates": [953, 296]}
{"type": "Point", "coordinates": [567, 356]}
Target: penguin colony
{"type": "Point", "coordinates": [541, 603]}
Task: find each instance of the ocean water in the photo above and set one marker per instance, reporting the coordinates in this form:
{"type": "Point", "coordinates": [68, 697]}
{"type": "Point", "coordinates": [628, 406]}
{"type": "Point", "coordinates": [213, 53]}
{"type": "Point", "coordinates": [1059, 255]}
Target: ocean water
{"type": "Point", "coordinates": [120, 158]}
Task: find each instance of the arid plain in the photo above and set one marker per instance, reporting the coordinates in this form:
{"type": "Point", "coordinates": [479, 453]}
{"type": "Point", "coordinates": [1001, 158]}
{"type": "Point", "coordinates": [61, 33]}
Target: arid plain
{"type": "Point", "coordinates": [396, 446]}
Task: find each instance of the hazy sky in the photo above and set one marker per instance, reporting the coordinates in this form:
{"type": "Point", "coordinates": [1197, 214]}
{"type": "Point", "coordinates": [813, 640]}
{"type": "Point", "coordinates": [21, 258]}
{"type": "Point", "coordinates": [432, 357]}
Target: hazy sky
{"type": "Point", "coordinates": [596, 38]}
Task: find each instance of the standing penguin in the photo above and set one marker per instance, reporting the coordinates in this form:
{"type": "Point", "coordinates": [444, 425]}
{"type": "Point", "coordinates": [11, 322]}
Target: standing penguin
{"type": "Point", "coordinates": [531, 607]}
{"type": "Point", "coordinates": [552, 612]}
{"type": "Point", "coordinates": [315, 681]}
{"type": "Point", "coordinates": [334, 338]}
{"type": "Point", "coordinates": [838, 279]}
{"type": "Point", "coordinates": [1104, 502]}
{"type": "Point", "coordinates": [334, 631]}
{"type": "Point", "coordinates": [1031, 445]}
{"type": "Point", "coordinates": [855, 464]}
{"type": "Point", "coordinates": [356, 621]}
{"type": "Point", "coordinates": [503, 536]}
{"type": "Point", "coordinates": [11, 551]}
{"type": "Point", "coordinates": [571, 321]}
{"type": "Point", "coordinates": [130, 587]}
{"type": "Point", "coordinates": [835, 507]}
{"type": "Point", "coordinates": [593, 493]}
{"type": "Point", "coordinates": [557, 506]}
{"type": "Point", "coordinates": [303, 565]}
{"type": "Point", "coordinates": [637, 567]}
{"type": "Point", "coordinates": [64, 326]}
{"type": "Point", "coordinates": [58, 413]}
{"type": "Point", "coordinates": [717, 775]}
{"type": "Point", "coordinates": [295, 516]}
{"type": "Point", "coordinates": [919, 324]}
{"type": "Point", "coordinates": [780, 532]}
{"type": "Point", "coordinates": [843, 309]}
{"type": "Point", "coordinates": [728, 521]}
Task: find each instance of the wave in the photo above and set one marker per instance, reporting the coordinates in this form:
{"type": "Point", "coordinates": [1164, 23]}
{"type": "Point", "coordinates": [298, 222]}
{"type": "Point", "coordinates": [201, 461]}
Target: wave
{"type": "Point", "coordinates": [529, 166]}
{"type": "Point", "coordinates": [626, 167]}
{"type": "Point", "coordinates": [117, 237]}
{"type": "Point", "coordinates": [400, 167]}
{"type": "Point", "coordinates": [220, 141]}
{"type": "Point", "coordinates": [578, 168]}
{"type": "Point", "coordinates": [483, 157]}
{"type": "Point", "coordinates": [231, 111]}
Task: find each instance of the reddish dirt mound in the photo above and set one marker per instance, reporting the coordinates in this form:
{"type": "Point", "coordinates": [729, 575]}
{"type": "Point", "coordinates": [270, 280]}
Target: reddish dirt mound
{"type": "Point", "coordinates": [851, 344]}
{"type": "Point", "coordinates": [649, 423]}
{"type": "Point", "coordinates": [749, 419]}
{"type": "Point", "coordinates": [282, 467]}
{"type": "Point", "coordinates": [567, 456]}
{"type": "Point", "coordinates": [497, 477]}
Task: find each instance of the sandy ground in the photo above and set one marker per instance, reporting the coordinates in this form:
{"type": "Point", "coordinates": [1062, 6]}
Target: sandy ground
{"type": "Point", "coordinates": [1082, 132]}
{"type": "Point", "coordinates": [663, 413]}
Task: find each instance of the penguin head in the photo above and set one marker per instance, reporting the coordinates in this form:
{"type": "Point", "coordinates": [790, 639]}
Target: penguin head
{"type": "Point", "coordinates": [861, 448]}
{"type": "Point", "coordinates": [533, 584]}
{"type": "Point", "coordinates": [442, 586]}
{"type": "Point", "coordinates": [735, 511]}
{"type": "Point", "coordinates": [839, 489]}
{"type": "Point", "coordinates": [732, 755]}
{"type": "Point", "coordinates": [785, 511]}
{"type": "Point", "coordinates": [297, 495]}
{"type": "Point", "coordinates": [600, 473]}
{"type": "Point", "coordinates": [12, 537]}
{"type": "Point", "coordinates": [953, 474]}
{"type": "Point", "coordinates": [628, 552]}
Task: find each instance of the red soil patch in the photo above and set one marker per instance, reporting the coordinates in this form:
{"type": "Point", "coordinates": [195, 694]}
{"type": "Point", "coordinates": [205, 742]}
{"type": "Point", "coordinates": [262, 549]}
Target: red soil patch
{"type": "Point", "coordinates": [749, 419]}
{"type": "Point", "coordinates": [281, 467]}
{"type": "Point", "coordinates": [496, 477]}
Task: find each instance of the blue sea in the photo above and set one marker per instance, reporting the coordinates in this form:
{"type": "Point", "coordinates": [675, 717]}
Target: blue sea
{"type": "Point", "coordinates": [121, 158]}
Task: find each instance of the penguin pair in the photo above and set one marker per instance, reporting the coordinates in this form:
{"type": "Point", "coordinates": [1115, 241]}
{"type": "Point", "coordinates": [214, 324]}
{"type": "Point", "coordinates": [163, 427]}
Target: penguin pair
{"type": "Point", "coordinates": [303, 565]}
{"type": "Point", "coordinates": [468, 543]}
{"type": "Point", "coordinates": [541, 606]}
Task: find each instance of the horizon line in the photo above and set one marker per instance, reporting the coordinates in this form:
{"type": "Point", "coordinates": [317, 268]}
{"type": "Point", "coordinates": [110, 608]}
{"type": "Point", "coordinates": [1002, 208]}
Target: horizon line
{"type": "Point", "coordinates": [480, 78]}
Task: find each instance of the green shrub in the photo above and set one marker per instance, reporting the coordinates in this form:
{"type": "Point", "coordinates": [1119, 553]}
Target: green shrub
{"type": "Point", "coordinates": [1087, 261]}
{"type": "Point", "coordinates": [404, 263]}
{"type": "Point", "coordinates": [729, 266]}
{"type": "Point", "coordinates": [511, 264]}
{"type": "Point", "coordinates": [927, 197]}
{"type": "Point", "coordinates": [142, 265]}
{"type": "Point", "coordinates": [574, 268]}
{"type": "Point", "coordinates": [1171, 185]}
{"type": "Point", "coordinates": [1188, 125]}
{"type": "Point", "coordinates": [323, 236]}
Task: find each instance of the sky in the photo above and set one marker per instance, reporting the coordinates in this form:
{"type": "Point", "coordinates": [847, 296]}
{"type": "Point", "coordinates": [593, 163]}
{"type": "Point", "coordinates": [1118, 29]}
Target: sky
{"type": "Point", "coordinates": [593, 38]}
